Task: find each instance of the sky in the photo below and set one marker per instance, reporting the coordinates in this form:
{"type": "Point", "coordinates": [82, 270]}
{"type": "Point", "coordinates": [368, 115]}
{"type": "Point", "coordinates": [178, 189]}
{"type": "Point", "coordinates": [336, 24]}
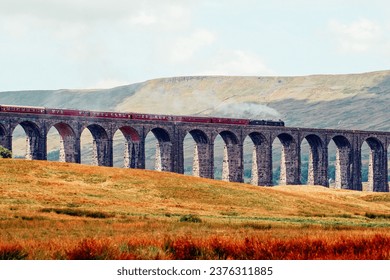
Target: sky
{"type": "Point", "coordinates": [55, 44]}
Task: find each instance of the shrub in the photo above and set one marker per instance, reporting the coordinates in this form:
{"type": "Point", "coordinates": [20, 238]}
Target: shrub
{"type": "Point", "coordinates": [190, 218]}
{"type": "Point", "coordinates": [91, 249]}
{"type": "Point", "coordinates": [5, 153]}
{"type": "Point", "coordinates": [77, 212]}
{"type": "Point", "coordinates": [184, 248]}
{"type": "Point", "coordinates": [377, 216]}
{"type": "Point", "coordinates": [12, 252]}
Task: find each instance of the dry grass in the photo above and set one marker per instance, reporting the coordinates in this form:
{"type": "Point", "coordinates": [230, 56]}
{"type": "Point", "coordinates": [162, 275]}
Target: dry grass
{"type": "Point", "coordinates": [69, 211]}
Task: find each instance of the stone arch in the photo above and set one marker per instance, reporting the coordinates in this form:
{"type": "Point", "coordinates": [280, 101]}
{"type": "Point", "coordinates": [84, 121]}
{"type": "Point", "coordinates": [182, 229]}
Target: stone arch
{"type": "Point", "coordinates": [130, 133]}
{"type": "Point", "coordinates": [199, 136]}
{"type": "Point", "coordinates": [35, 142]}
{"type": "Point", "coordinates": [102, 145]}
{"type": "Point", "coordinates": [163, 159]}
{"type": "Point", "coordinates": [161, 134]}
{"type": "Point", "coordinates": [202, 161]}
{"type": "Point", "coordinates": [229, 137]}
{"type": "Point", "coordinates": [69, 147]}
{"type": "Point", "coordinates": [131, 155]}
{"type": "Point", "coordinates": [290, 160]}
{"type": "Point", "coordinates": [232, 166]}
{"type": "Point", "coordinates": [261, 160]}
{"type": "Point", "coordinates": [377, 180]}
{"type": "Point", "coordinates": [317, 164]}
{"type": "Point", "coordinates": [343, 165]}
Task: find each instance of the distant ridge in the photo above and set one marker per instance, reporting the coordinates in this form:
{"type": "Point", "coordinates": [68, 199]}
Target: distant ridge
{"type": "Point", "coordinates": [351, 101]}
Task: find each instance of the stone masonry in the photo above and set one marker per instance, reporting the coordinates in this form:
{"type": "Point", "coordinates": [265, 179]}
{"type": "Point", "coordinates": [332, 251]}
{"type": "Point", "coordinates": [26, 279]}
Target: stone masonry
{"type": "Point", "coordinates": [169, 152]}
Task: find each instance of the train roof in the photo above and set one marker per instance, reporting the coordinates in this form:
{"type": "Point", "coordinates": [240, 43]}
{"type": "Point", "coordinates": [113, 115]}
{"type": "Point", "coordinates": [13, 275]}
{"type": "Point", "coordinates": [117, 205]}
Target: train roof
{"type": "Point", "coordinates": [22, 106]}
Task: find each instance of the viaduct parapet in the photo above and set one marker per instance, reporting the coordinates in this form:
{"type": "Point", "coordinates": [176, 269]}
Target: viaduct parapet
{"type": "Point", "coordinates": [171, 134]}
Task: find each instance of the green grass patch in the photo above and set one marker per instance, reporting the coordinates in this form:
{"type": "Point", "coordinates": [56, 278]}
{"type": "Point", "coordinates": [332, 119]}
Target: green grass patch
{"type": "Point", "coordinates": [377, 198]}
{"type": "Point", "coordinates": [190, 218]}
{"type": "Point", "coordinates": [94, 179]}
{"type": "Point", "coordinates": [257, 226]}
{"type": "Point", "coordinates": [229, 213]}
{"type": "Point", "coordinates": [77, 212]}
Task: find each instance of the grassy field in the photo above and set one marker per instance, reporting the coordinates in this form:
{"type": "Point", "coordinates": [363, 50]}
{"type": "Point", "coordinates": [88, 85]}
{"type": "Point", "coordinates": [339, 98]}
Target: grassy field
{"type": "Point", "coordinates": [54, 210]}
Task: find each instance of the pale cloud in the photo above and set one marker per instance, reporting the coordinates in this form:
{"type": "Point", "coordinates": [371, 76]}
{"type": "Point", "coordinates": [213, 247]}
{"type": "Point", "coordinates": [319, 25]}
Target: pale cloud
{"type": "Point", "coordinates": [159, 16]}
{"type": "Point", "coordinates": [75, 10]}
{"type": "Point", "coordinates": [15, 27]}
{"type": "Point", "coordinates": [31, 25]}
{"type": "Point", "coordinates": [77, 43]}
{"type": "Point", "coordinates": [184, 48]}
{"type": "Point", "coordinates": [163, 14]}
{"type": "Point", "coordinates": [143, 18]}
{"type": "Point", "coordinates": [174, 16]}
{"type": "Point", "coordinates": [62, 10]}
{"type": "Point", "coordinates": [358, 36]}
{"type": "Point", "coordinates": [97, 40]}
{"type": "Point", "coordinates": [238, 62]}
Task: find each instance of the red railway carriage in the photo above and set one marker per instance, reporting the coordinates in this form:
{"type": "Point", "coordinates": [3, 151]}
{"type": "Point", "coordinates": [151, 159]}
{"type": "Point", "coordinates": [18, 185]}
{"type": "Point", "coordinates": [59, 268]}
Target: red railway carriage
{"type": "Point", "coordinates": [230, 121]}
{"type": "Point", "coordinates": [67, 112]}
{"type": "Point", "coordinates": [22, 109]}
{"type": "Point", "coordinates": [191, 119]}
{"type": "Point", "coordinates": [135, 116]}
{"type": "Point", "coordinates": [149, 117]}
{"type": "Point", "coordinates": [114, 115]}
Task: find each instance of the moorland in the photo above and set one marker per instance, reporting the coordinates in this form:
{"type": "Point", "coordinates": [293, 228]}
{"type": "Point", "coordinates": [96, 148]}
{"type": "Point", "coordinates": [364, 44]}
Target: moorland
{"type": "Point", "coordinates": [51, 210]}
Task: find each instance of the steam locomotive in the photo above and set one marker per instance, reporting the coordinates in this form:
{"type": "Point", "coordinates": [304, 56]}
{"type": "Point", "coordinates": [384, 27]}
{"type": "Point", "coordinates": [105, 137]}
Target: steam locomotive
{"type": "Point", "coordinates": [133, 116]}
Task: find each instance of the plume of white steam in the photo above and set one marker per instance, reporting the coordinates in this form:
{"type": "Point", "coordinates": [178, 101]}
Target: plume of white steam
{"type": "Point", "coordinates": [246, 111]}
{"type": "Point", "coordinates": [195, 100]}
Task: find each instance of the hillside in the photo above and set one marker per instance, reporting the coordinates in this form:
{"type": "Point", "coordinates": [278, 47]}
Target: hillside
{"type": "Point", "coordinates": [357, 101]}
{"type": "Point", "coordinates": [60, 210]}
{"type": "Point", "coordinates": [29, 186]}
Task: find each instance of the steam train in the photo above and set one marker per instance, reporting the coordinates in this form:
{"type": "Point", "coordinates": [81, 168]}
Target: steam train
{"type": "Point", "coordinates": [133, 116]}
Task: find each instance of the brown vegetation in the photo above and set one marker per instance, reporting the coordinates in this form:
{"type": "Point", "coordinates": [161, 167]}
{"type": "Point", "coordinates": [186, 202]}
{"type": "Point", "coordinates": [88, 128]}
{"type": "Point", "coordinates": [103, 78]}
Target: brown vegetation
{"type": "Point", "coordinates": [68, 211]}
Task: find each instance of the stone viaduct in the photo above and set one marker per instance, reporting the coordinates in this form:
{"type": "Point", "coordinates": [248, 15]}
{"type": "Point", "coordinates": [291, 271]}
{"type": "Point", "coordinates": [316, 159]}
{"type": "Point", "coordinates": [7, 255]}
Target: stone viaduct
{"type": "Point", "coordinates": [169, 152]}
